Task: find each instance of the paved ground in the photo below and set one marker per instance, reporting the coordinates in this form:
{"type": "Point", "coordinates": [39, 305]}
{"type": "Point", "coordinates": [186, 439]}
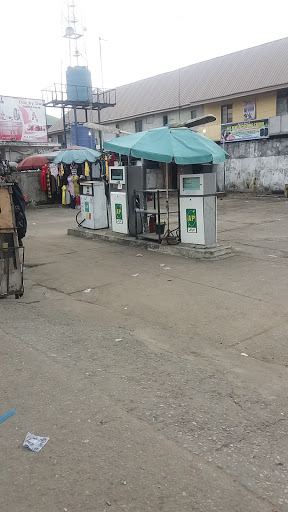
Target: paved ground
{"type": "Point", "coordinates": [140, 383]}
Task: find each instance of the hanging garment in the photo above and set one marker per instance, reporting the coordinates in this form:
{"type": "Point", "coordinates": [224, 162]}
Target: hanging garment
{"type": "Point", "coordinates": [54, 170]}
{"type": "Point", "coordinates": [48, 181]}
{"type": "Point", "coordinates": [95, 172]}
{"type": "Point", "coordinates": [106, 168]}
{"type": "Point", "coordinates": [73, 168]}
{"type": "Point", "coordinates": [111, 160]}
{"type": "Point", "coordinates": [53, 185]}
{"type": "Point", "coordinates": [68, 197]}
{"type": "Point", "coordinates": [71, 185]}
{"type": "Point", "coordinates": [77, 202]}
{"type": "Point", "coordinates": [64, 194]}
{"type": "Point", "coordinates": [76, 185]}
{"type": "Point", "coordinates": [43, 179]}
{"type": "Point", "coordinates": [87, 170]}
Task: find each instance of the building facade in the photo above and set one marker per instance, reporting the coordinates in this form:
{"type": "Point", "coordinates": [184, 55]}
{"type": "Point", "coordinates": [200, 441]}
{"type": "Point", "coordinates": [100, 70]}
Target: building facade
{"type": "Point", "coordinates": [247, 92]}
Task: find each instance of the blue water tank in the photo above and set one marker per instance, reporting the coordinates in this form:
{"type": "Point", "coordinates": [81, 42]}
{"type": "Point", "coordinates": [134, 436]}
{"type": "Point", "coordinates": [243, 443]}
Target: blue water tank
{"type": "Point", "coordinates": [80, 136]}
{"type": "Point", "coordinates": [79, 84]}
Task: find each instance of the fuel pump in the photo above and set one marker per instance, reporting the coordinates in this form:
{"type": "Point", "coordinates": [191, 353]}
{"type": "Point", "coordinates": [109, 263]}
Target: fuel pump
{"type": "Point", "coordinates": [198, 209]}
{"type": "Point", "coordinates": [123, 181]}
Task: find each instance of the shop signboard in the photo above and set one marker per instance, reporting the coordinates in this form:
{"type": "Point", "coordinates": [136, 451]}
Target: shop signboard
{"type": "Point", "coordinates": [22, 120]}
{"type": "Point", "coordinates": [119, 213]}
{"type": "Point", "coordinates": [248, 130]}
{"type": "Point", "coordinates": [191, 219]}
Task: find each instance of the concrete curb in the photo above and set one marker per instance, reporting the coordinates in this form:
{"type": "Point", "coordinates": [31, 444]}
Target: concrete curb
{"type": "Point", "coordinates": [186, 251]}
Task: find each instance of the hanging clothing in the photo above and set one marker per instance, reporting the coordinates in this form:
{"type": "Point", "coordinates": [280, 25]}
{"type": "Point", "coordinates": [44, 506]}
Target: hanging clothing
{"type": "Point", "coordinates": [43, 179]}
{"type": "Point", "coordinates": [111, 160]}
{"type": "Point", "coordinates": [53, 185]}
{"type": "Point", "coordinates": [68, 197]}
{"type": "Point", "coordinates": [106, 168]}
{"type": "Point", "coordinates": [64, 194]}
{"type": "Point", "coordinates": [87, 170]}
{"type": "Point", "coordinates": [95, 172]}
{"type": "Point", "coordinates": [71, 186]}
{"type": "Point", "coordinates": [48, 181]}
{"type": "Point", "coordinates": [76, 185]}
{"type": "Point", "coordinates": [54, 170]}
{"type": "Point", "coordinates": [73, 168]}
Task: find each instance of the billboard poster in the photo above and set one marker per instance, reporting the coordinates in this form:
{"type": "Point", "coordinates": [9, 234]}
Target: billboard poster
{"type": "Point", "coordinates": [248, 130]}
{"type": "Point", "coordinates": [249, 111]}
{"type": "Point", "coordinates": [22, 120]}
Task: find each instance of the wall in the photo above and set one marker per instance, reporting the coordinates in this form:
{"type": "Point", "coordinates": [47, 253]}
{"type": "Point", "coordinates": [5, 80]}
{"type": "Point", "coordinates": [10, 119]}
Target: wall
{"type": "Point", "coordinates": [152, 121]}
{"type": "Point", "coordinates": [155, 178]}
{"type": "Point", "coordinates": [259, 166]}
{"type": "Point", "coordinates": [265, 107]}
{"type": "Point", "coordinates": [30, 184]}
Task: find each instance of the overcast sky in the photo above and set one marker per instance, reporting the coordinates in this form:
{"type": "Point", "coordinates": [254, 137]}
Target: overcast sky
{"type": "Point", "coordinates": [144, 38]}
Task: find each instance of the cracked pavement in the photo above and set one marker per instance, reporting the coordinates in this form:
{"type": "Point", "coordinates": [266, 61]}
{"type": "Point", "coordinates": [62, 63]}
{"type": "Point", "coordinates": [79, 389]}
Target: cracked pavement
{"type": "Point", "coordinates": [140, 383]}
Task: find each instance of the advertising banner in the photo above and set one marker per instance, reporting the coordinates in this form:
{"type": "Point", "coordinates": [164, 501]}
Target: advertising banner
{"type": "Point", "coordinates": [22, 120]}
{"type": "Point", "coordinates": [248, 130]}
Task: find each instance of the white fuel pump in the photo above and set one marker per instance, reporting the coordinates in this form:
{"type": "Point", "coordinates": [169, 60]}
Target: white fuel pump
{"type": "Point", "coordinates": [93, 205]}
{"type": "Point", "coordinates": [198, 209]}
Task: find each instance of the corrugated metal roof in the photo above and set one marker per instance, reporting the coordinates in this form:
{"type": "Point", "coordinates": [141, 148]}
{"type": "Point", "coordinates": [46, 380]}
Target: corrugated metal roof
{"type": "Point", "coordinates": [259, 68]}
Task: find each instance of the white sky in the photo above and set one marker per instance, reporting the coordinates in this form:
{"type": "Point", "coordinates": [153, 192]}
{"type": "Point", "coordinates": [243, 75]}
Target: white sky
{"type": "Point", "coordinates": [144, 38]}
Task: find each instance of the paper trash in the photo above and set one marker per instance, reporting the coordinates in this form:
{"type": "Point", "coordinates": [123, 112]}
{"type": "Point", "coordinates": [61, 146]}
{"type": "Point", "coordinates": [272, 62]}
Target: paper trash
{"type": "Point", "coordinates": [34, 443]}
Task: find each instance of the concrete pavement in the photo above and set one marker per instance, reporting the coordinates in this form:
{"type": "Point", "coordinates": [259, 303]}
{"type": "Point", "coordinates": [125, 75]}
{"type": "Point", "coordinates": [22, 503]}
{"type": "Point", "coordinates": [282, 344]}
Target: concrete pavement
{"type": "Point", "coordinates": [171, 416]}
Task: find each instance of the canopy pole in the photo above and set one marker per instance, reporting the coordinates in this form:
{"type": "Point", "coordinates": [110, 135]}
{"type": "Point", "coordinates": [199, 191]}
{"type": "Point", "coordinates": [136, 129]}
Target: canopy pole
{"type": "Point", "coordinates": [167, 197]}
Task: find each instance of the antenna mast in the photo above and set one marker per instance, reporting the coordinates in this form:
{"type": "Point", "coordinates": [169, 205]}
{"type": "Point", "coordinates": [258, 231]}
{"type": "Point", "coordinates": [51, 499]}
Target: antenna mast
{"type": "Point", "coordinates": [71, 31]}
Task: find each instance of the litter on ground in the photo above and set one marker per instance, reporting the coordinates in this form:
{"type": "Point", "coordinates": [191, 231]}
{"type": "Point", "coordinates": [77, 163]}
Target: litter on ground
{"type": "Point", "coordinates": [7, 415]}
{"type": "Point", "coordinates": [34, 443]}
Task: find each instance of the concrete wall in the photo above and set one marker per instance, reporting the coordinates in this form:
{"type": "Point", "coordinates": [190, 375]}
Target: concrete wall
{"type": "Point", "coordinates": [258, 166]}
{"type": "Point", "coordinates": [30, 184]}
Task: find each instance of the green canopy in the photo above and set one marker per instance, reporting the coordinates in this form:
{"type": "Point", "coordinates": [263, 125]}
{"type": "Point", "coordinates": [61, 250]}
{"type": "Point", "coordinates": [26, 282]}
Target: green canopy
{"type": "Point", "coordinates": [76, 154]}
{"type": "Point", "coordinates": [166, 144]}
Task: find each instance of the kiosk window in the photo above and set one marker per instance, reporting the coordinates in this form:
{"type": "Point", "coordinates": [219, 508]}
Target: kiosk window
{"type": "Point", "coordinates": [117, 174]}
{"type": "Point", "coordinates": [191, 183]}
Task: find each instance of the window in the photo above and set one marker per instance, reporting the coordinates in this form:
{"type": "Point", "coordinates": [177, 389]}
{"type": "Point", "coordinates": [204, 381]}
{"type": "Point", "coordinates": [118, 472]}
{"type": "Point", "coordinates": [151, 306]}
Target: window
{"type": "Point", "coordinates": [138, 126]}
{"type": "Point", "coordinates": [165, 120]}
{"type": "Point", "coordinates": [282, 102]}
{"type": "Point", "coordinates": [150, 119]}
{"type": "Point", "coordinates": [193, 113]}
{"type": "Point", "coordinates": [226, 114]}
{"type": "Point", "coordinates": [61, 139]}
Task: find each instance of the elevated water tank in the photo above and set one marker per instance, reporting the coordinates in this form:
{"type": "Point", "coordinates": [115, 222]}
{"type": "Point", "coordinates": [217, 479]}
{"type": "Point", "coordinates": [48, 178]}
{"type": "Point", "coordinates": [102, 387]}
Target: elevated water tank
{"type": "Point", "coordinates": [79, 84]}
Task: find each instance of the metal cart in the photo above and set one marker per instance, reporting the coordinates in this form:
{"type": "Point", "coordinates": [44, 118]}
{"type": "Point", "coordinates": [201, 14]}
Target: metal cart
{"type": "Point", "coordinates": [11, 254]}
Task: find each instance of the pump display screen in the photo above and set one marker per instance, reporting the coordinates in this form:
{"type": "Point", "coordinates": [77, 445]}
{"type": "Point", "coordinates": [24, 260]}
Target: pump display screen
{"type": "Point", "coordinates": [117, 174]}
{"type": "Point", "coordinates": [191, 183]}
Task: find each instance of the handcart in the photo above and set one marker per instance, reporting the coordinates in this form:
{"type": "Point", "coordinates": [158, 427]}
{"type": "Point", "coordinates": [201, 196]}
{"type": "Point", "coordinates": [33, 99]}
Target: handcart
{"type": "Point", "coordinates": [11, 253]}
